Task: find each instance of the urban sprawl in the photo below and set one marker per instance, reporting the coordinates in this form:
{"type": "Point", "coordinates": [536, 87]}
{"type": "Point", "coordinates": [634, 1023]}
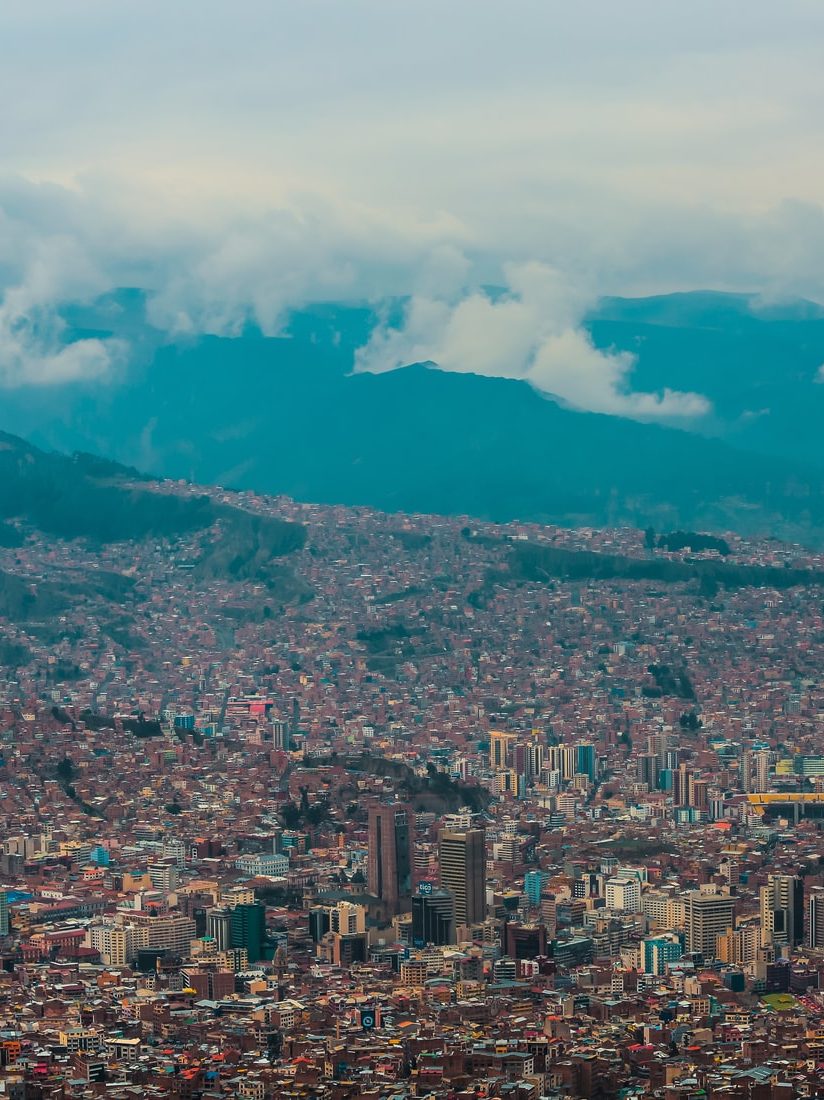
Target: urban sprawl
{"type": "Point", "coordinates": [420, 828]}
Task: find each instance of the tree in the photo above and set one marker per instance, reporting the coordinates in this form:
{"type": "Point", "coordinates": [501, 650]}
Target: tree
{"type": "Point", "coordinates": [65, 770]}
{"type": "Point", "coordinates": [290, 815]}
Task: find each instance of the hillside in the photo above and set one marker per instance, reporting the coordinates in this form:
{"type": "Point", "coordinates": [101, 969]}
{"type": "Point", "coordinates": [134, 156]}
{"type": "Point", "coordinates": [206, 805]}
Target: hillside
{"type": "Point", "coordinates": [88, 498]}
{"type": "Point", "coordinates": [286, 416]}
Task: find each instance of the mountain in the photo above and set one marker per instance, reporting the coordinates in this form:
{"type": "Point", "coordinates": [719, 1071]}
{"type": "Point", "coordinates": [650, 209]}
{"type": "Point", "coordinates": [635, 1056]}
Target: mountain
{"type": "Point", "coordinates": [758, 363]}
{"type": "Point", "coordinates": [287, 416]}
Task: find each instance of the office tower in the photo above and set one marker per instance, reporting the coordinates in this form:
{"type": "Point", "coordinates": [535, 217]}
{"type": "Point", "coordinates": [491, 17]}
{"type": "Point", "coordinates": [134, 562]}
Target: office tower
{"type": "Point", "coordinates": [462, 862]}
{"type": "Point", "coordinates": [698, 793]}
{"type": "Point", "coordinates": [525, 941]}
{"type": "Point", "coordinates": [586, 760]}
{"type": "Point", "coordinates": [746, 770]}
{"type": "Point", "coordinates": [707, 916]}
{"type": "Point", "coordinates": [533, 885]}
{"type": "Point", "coordinates": [391, 855]}
{"type": "Point", "coordinates": [647, 769]}
{"type": "Point", "coordinates": [739, 947]}
{"type": "Point", "coordinates": [535, 759]}
{"type": "Point", "coordinates": [680, 785]}
{"type": "Point", "coordinates": [347, 918]}
{"type": "Point", "coordinates": [219, 927]}
{"type": "Point", "coordinates": [657, 951]}
{"type": "Point", "coordinates": [762, 771]}
{"type": "Point", "coordinates": [4, 913]}
{"type": "Point", "coordinates": [499, 748]}
{"type": "Point", "coordinates": [319, 922]}
{"type": "Point", "coordinates": [433, 917]}
{"type": "Point", "coordinates": [280, 735]}
{"type": "Point", "coordinates": [624, 893]}
{"type": "Point", "coordinates": [248, 928]}
{"type": "Point", "coordinates": [815, 928]}
{"type": "Point", "coordinates": [782, 911]}
{"type": "Point", "coordinates": [549, 914]}
{"type": "Point", "coordinates": [755, 771]}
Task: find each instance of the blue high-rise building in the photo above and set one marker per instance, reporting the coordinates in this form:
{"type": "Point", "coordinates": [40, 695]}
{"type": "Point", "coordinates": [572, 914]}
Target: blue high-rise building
{"type": "Point", "coordinates": [659, 951]}
{"type": "Point", "coordinates": [586, 761]}
{"type": "Point", "coordinates": [534, 884]}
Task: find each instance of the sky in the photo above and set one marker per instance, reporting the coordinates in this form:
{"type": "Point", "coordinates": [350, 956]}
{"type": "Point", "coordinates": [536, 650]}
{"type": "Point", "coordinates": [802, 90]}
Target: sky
{"type": "Point", "coordinates": [242, 159]}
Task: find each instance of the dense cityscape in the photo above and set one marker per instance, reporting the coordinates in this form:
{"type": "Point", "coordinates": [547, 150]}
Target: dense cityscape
{"type": "Point", "coordinates": [409, 824]}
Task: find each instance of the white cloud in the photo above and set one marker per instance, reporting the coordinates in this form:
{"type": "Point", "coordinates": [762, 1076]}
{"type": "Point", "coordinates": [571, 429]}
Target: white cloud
{"type": "Point", "coordinates": [34, 347]}
{"type": "Point", "coordinates": [532, 332]}
{"type": "Point", "coordinates": [264, 155]}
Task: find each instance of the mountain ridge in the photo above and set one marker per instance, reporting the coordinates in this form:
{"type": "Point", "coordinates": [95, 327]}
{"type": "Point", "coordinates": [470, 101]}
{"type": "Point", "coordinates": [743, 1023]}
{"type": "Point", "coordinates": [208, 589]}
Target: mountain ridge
{"type": "Point", "coordinates": [286, 415]}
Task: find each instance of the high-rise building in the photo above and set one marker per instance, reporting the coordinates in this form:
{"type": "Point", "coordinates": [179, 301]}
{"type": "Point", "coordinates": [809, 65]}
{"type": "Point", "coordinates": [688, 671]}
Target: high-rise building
{"type": "Point", "coordinates": [698, 793]}
{"type": "Point", "coordinates": [746, 770]}
{"type": "Point", "coordinates": [707, 916]}
{"type": "Point", "coordinates": [281, 738]}
{"type": "Point", "coordinates": [433, 917]}
{"type": "Point", "coordinates": [586, 760]}
{"type": "Point", "coordinates": [462, 862]}
{"type": "Point", "coordinates": [647, 769]}
{"type": "Point", "coordinates": [815, 926]}
{"type": "Point", "coordinates": [623, 893]}
{"type": "Point", "coordinates": [760, 780]}
{"type": "Point", "coordinates": [657, 951]}
{"type": "Point", "coordinates": [391, 855]}
{"type": "Point", "coordinates": [499, 748]}
{"type": "Point", "coordinates": [533, 885]}
{"type": "Point", "coordinates": [681, 785]}
{"type": "Point", "coordinates": [219, 927]}
{"type": "Point", "coordinates": [782, 911]}
{"type": "Point", "coordinates": [4, 913]}
{"type": "Point", "coordinates": [739, 946]}
{"type": "Point", "coordinates": [248, 928]}
{"type": "Point", "coordinates": [347, 918]}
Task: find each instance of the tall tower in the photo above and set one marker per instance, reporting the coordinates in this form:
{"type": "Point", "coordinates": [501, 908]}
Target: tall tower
{"type": "Point", "coordinates": [391, 855]}
{"type": "Point", "coordinates": [680, 785]}
{"type": "Point", "coordinates": [248, 929]}
{"type": "Point", "coordinates": [815, 928]}
{"type": "Point", "coordinates": [586, 760]}
{"type": "Point", "coordinates": [433, 917]}
{"type": "Point", "coordinates": [707, 917]}
{"type": "Point", "coordinates": [782, 911]}
{"type": "Point", "coordinates": [462, 862]}
{"type": "Point", "coordinates": [4, 913]}
{"type": "Point", "coordinates": [219, 927]}
{"type": "Point", "coordinates": [499, 748]}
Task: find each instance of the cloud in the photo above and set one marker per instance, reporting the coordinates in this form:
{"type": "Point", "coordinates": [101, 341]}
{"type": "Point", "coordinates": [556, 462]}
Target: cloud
{"type": "Point", "coordinates": [283, 154]}
{"type": "Point", "coordinates": [533, 331]}
{"type": "Point", "coordinates": [35, 348]}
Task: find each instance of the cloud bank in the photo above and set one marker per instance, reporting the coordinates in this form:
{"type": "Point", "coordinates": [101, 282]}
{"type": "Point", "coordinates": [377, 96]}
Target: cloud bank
{"type": "Point", "coordinates": [533, 332]}
{"type": "Point", "coordinates": [258, 157]}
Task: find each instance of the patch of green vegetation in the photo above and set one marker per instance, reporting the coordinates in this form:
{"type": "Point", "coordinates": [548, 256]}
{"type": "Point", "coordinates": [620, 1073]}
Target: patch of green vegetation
{"type": "Point", "coordinates": [20, 600]}
{"type": "Point", "coordinates": [93, 498]}
{"type": "Point", "coordinates": [13, 654]}
{"type": "Point", "coordinates": [435, 792]}
{"type": "Point", "coordinates": [781, 1002]}
{"type": "Point", "coordinates": [247, 549]}
{"type": "Point", "coordinates": [692, 540]}
{"type": "Point", "coordinates": [396, 597]}
{"type": "Point", "coordinates": [533, 562]}
{"type": "Point", "coordinates": [412, 540]}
